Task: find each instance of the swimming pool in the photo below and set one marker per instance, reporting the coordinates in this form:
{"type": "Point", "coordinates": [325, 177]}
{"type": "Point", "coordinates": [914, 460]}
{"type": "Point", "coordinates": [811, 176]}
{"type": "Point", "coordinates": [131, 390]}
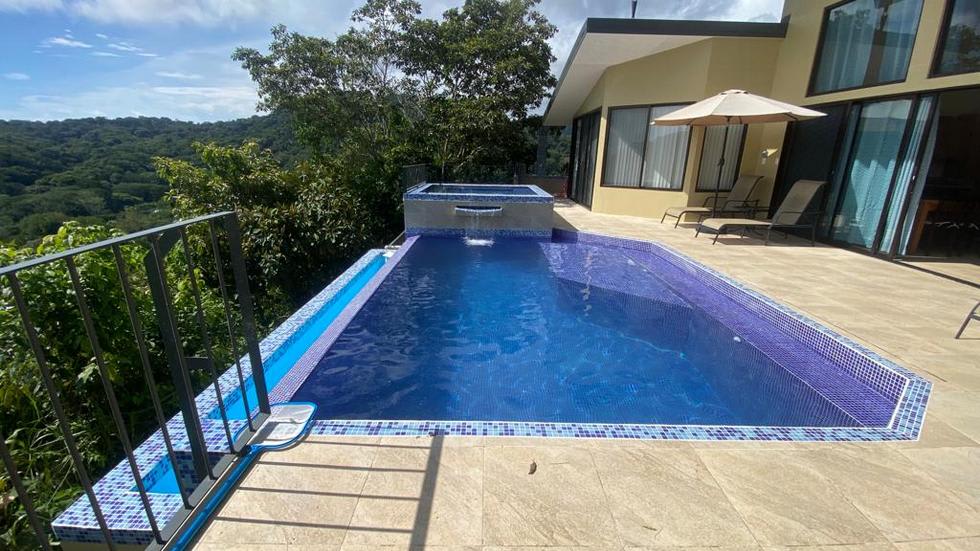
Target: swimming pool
{"type": "Point", "coordinates": [577, 336]}
{"type": "Point", "coordinates": [478, 210]}
{"type": "Point", "coordinates": [282, 360]}
{"type": "Point", "coordinates": [578, 333]}
{"type": "Point", "coordinates": [477, 189]}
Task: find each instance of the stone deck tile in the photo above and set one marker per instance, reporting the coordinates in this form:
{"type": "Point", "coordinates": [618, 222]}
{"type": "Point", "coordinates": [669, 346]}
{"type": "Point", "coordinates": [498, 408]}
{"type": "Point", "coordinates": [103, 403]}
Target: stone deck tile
{"type": "Point", "coordinates": [588, 494]}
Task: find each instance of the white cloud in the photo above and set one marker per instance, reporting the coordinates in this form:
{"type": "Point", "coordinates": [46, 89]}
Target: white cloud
{"type": "Point", "coordinates": [183, 103]}
{"type": "Point", "coordinates": [199, 12]}
{"type": "Point", "coordinates": [30, 5]}
{"type": "Point", "coordinates": [236, 93]}
{"type": "Point", "coordinates": [105, 54]}
{"type": "Point", "coordinates": [64, 41]}
{"type": "Point", "coordinates": [124, 47]}
{"type": "Point", "coordinates": [147, 54]}
{"type": "Point", "coordinates": [102, 36]}
{"type": "Point", "coordinates": [16, 76]}
{"type": "Point", "coordinates": [310, 16]}
{"type": "Point", "coordinates": [178, 75]}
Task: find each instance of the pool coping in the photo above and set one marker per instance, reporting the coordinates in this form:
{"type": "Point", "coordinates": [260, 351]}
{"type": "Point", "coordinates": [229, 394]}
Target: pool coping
{"type": "Point", "coordinates": [417, 193]}
{"type": "Point", "coordinates": [296, 376]}
{"type": "Point", "coordinates": [868, 367]}
{"type": "Point", "coordinates": [128, 521]}
{"type": "Point", "coordinates": [121, 504]}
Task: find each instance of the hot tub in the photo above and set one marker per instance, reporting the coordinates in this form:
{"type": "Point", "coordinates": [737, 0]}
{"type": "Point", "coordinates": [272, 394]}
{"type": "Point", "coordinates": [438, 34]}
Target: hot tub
{"type": "Point", "coordinates": [478, 210]}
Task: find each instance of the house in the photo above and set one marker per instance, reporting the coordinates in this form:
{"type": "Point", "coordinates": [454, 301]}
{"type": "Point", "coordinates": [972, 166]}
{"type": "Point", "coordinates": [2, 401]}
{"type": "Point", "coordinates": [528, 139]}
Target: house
{"type": "Point", "coordinates": [899, 81]}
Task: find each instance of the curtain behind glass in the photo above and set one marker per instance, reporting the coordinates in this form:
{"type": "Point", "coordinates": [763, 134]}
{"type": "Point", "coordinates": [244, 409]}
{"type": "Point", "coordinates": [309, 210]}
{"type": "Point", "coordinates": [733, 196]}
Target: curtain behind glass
{"type": "Point", "coordinates": [847, 41]}
{"type": "Point", "coordinates": [624, 154]}
{"type": "Point", "coordinates": [876, 148]}
{"type": "Point", "coordinates": [711, 153]}
{"type": "Point", "coordinates": [576, 160]}
{"type": "Point", "coordinates": [852, 55]}
{"type": "Point", "coordinates": [904, 176]}
{"type": "Point", "coordinates": [666, 152]}
{"type": "Point", "coordinates": [899, 30]}
{"type": "Point", "coordinates": [920, 184]}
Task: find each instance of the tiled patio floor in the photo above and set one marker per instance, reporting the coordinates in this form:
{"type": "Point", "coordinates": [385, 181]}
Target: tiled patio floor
{"type": "Point", "coordinates": [475, 493]}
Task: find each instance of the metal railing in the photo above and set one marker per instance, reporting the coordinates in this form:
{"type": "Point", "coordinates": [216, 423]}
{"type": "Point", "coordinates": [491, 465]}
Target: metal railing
{"type": "Point", "coordinates": [413, 175]}
{"type": "Point", "coordinates": [159, 242]}
{"type": "Point", "coordinates": [509, 173]}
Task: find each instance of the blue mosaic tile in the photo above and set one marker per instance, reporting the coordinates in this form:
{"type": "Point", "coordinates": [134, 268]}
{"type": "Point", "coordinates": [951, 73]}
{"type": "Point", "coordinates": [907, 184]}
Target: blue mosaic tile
{"type": "Point", "coordinates": [893, 406]}
{"type": "Point", "coordinates": [420, 193]}
{"type": "Point", "coordinates": [479, 233]}
{"type": "Point", "coordinates": [115, 492]}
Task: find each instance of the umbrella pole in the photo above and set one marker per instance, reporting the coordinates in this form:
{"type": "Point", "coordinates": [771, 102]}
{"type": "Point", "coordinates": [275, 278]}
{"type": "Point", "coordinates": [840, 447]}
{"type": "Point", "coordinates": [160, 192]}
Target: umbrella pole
{"type": "Point", "coordinates": [721, 167]}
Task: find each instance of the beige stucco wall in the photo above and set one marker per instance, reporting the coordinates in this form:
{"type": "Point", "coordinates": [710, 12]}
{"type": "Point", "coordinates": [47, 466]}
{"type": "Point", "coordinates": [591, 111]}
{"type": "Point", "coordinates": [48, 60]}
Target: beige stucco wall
{"type": "Point", "coordinates": [682, 75]}
{"type": "Point", "coordinates": [779, 68]}
{"type": "Point", "coordinates": [799, 48]}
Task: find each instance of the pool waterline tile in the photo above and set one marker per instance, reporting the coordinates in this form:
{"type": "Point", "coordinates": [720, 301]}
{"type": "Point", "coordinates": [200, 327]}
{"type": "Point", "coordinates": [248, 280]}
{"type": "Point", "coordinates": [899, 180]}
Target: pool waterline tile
{"type": "Point", "coordinates": [120, 503]}
{"type": "Point", "coordinates": [128, 521]}
{"type": "Point", "coordinates": [887, 382]}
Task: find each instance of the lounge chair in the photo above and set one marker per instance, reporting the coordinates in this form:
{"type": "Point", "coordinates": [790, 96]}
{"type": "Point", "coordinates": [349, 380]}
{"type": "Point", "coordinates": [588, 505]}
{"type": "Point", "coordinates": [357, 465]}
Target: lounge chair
{"type": "Point", "coordinates": [973, 315]}
{"type": "Point", "coordinates": [737, 201]}
{"type": "Point", "coordinates": [800, 209]}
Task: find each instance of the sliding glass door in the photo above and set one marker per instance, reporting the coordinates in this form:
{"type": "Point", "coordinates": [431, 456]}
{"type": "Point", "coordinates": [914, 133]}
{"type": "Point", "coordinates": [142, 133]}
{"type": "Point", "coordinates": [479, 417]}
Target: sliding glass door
{"type": "Point", "coordinates": [585, 140]}
{"type": "Point", "coordinates": [869, 153]}
{"type": "Point", "coordinates": [810, 150]}
{"type": "Point", "coordinates": [868, 176]}
{"type": "Point", "coordinates": [907, 170]}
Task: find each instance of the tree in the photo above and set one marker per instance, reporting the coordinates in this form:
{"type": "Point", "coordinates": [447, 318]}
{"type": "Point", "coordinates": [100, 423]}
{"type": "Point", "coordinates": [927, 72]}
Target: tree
{"type": "Point", "coordinates": [455, 91]}
{"type": "Point", "coordinates": [34, 438]}
{"type": "Point", "coordinates": [481, 69]}
{"type": "Point", "coordinates": [299, 226]}
{"type": "Point", "coordinates": [94, 169]}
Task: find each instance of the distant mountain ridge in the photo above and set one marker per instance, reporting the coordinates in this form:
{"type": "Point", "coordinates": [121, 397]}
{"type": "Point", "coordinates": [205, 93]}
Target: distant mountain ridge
{"type": "Point", "coordinates": [100, 170]}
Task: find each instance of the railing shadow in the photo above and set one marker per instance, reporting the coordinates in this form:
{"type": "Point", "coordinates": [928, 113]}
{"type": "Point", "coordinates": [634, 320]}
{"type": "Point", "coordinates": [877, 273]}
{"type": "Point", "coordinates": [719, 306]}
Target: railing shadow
{"type": "Point", "coordinates": [418, 533]}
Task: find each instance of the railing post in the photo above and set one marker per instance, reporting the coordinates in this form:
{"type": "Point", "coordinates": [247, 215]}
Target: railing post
{"type": "Point", "coordinates": [25, 498]}
{"type": "Point", "coordinates": [183, 388]}
{"type": "Point", "coordinates": [232, 331]}
{"type": "Point", "coordinates": [59, 412]}
{"type": "Point", "coordinates": [151, 385]}
{"type": "Point", "coordinates": [248, 315]}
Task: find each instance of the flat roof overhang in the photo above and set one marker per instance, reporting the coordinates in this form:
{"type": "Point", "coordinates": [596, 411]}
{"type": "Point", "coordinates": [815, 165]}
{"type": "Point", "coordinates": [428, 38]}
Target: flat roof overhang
{"type": "Point", "coordinates": [604, 42]}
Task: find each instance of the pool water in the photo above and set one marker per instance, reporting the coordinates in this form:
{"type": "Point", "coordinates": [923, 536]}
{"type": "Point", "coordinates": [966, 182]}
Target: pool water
{"type": "Point", "coordinates": [283, 360]}
{"type": "Point", "coordinates": [166, 483]}
{"type": "Point", "coordinates": [479, 189]}
{"type": "Point", "coordinates": [525, 330]}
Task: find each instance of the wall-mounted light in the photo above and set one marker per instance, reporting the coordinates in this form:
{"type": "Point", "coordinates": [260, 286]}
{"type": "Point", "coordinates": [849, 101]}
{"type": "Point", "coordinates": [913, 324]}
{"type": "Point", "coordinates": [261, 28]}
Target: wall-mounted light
{"type": "Point", "coordinates": [767, 153]}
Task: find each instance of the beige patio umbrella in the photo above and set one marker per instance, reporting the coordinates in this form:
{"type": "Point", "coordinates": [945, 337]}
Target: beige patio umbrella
{"type": "Point", "coordinates": [734, 107]}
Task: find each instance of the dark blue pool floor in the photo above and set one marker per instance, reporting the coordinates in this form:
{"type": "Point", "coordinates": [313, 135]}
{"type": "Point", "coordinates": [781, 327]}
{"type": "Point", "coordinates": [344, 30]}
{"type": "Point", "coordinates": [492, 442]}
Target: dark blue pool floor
{"type": "Point", "coordinates": [525, 330]}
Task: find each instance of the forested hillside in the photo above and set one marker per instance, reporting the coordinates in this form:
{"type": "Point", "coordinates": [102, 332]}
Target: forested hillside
{"type": "Point", "coordinates": [98, 170]}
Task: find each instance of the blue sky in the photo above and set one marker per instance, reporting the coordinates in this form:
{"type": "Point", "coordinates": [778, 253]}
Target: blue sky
{"type": "Point", "coordinates": [116, 58]}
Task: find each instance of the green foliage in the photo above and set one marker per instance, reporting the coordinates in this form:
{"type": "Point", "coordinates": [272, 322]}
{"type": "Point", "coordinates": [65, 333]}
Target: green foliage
{"type": "Point", "coordinates": [480, 70]}
{"type": "Point", "coordinates": [395, 89]}
{"type": "Point", "coordinates": [454, 92]}
{"type": "Point", "coordinates": [33, 435]}
{"type": "Point", "coordinates": [299, 226]}
{"type": "Point", "coordinates": [93, 170]}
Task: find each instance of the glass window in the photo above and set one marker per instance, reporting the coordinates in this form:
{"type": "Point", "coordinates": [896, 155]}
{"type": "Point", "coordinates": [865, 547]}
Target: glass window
{"type": "Point", "coordinates": [642, 155]}
{"type": "Point", "coordinates": [874, 157]}
{"type": "Point", "coordinates": [866, 42]}
{"type": "Point", "coordinates": [959, 51]}
{"type": "Point", "coordinates": [711, 154]}
{"type": "Point", "coordinates": [624, 155]}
